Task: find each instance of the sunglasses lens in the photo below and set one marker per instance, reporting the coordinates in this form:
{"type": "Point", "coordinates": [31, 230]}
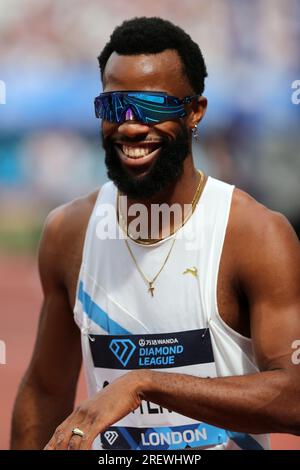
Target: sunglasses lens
{"type": "Point", "coordinates": [147, 108]}
{"type": "Point", "coordinates": [157, 99]}
{"type": "Point", "coordinates": [104, 108]}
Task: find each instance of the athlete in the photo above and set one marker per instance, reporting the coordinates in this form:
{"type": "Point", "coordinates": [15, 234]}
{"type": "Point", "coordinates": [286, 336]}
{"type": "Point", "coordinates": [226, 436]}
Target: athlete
{"type": "Point", "coordinates": [188, 337]}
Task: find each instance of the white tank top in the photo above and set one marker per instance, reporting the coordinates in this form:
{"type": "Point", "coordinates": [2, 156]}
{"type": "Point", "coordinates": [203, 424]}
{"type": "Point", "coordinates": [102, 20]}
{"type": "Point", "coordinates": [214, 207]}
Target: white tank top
{"type": "Point", "coordinates": [179, 329]}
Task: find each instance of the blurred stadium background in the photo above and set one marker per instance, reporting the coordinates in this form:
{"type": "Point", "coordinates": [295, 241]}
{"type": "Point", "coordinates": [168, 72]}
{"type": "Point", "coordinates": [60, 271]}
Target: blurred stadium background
{"type": "Point", "coordinates": [49, 139]}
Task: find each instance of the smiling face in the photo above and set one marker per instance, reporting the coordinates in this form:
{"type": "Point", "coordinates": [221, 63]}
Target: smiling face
{"type": "Point", "coordinates": [143, 159]}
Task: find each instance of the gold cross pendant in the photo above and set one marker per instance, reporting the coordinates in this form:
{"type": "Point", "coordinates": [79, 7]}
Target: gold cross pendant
{"type": "Point", "coordinates": [151, 289]}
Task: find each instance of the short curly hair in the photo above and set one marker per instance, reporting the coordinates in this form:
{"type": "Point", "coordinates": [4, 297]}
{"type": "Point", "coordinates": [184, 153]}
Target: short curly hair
{"type": "Point", "coordinates": [144, 35]}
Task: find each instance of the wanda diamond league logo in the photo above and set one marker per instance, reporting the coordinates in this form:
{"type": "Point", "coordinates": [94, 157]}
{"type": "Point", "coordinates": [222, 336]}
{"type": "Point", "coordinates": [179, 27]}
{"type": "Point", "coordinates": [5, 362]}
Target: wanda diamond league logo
{"type": "Point", "coordinates": [122, 349]}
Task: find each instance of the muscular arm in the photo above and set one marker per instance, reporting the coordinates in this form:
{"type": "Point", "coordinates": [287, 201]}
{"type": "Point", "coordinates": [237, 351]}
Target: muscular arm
{"type": "Point", "coordinates": [46, 395]}
{"type": "Point", "coordinates": [266, 251]}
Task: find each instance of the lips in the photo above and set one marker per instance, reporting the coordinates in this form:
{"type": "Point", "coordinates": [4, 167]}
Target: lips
{"type": "Point", "coordinates": [139, 154]}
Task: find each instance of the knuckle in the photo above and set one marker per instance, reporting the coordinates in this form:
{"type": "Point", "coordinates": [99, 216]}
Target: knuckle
{"type": "Point", "coordinates": [81, 411]}
{"type": "Point", "coordinates": [58, 432]}
{"type": "Point", "coordinates": [92, 414]}
{"type": "Point", "coordinates": [60, 437]}
{"type": "Point", "coordinates": [86, 412]}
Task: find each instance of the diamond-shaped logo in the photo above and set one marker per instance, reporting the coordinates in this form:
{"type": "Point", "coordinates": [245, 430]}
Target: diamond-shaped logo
{"type": "Point", "coordinates": [122, 349]}
{"type": "Point", "coordinates": [111, 436]}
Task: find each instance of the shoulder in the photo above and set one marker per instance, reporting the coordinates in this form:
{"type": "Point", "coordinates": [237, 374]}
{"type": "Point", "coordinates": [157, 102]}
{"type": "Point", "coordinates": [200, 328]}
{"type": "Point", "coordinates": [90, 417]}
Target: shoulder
{"type": "Point", "coordinates": [68, 220]}
{"type": "Point", "coordinates": [252, 220]}
{"type": "Point", "coordinates": [64, 231]}
{"type": "Point", "coordinates": [261, 242]}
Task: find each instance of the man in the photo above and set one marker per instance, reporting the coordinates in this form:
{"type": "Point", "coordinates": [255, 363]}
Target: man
{"type": "Point", "coordinates": [184, 346]}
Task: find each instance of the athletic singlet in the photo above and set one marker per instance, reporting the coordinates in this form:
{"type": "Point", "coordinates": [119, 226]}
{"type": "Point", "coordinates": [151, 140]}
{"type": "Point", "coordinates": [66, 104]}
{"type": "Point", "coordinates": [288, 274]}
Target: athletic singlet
{"type": "Point", "coordinates": [179, 329]}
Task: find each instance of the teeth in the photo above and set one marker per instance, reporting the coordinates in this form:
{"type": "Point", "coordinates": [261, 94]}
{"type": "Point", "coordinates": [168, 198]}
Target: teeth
{"type": "Point", "coordinates": [135, 152]}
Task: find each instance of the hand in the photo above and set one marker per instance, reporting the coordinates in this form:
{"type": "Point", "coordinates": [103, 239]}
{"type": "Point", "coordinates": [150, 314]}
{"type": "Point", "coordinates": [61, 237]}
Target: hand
{"type": "Point", "coordinates": [95, 415]}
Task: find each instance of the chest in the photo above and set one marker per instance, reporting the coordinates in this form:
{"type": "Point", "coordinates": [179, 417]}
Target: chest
{"type": "Point", "coordinates": [232, 306]}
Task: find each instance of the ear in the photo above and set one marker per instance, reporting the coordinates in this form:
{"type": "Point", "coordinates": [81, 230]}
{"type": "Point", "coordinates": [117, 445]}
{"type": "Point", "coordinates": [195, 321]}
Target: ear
{"type": "Point", "coordinates": [198, 109]}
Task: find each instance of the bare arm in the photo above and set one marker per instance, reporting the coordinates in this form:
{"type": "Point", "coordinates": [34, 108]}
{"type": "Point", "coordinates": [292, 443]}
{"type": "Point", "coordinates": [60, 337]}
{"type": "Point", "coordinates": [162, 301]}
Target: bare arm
{"type": "Point", "coordinates": [46, 395]}
{"type": "Point", "coordinates": [269, 272]}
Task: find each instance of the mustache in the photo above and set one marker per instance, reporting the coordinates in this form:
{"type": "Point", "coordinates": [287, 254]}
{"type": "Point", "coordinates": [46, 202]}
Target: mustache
{"type": "Point", "coordinates": [113, 140]}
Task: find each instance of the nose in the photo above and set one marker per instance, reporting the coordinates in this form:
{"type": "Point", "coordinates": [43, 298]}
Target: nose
{"type": "Point", "coordinates": [132, 127]}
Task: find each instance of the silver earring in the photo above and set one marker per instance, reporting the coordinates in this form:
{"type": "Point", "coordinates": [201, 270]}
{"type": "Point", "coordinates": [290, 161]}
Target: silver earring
{"type": "Point", "coordinates": [195, 132]}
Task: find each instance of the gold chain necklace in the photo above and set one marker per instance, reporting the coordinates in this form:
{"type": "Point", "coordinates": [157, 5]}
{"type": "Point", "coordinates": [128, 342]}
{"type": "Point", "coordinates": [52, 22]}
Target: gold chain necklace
{"type": "Point", "coordinates": [195, 200]}
{"type": "Point", "coordinates": [150, 282]}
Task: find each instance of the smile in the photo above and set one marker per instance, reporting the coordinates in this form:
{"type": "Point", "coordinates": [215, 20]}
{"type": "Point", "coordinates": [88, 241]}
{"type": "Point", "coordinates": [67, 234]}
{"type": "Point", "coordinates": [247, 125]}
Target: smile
{"type": "Point", "coordinates": [140, 154]}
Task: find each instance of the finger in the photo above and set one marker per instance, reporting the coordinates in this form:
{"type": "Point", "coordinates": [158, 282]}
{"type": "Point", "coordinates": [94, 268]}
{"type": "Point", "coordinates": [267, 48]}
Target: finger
{"type": "Point", "coordinates": [59, 440]}
{"type": "Point", "coordinates": [87, 442]}
{"type": "Point", "coordinates": [63, 439]}
{"type": "Point", "coordinates": [61, 436]}
{"type": "Point", "coordinates": [63, 433]}
{"type": "Point", "coordinates": [74, 442]}
{"type": "Point", "coordinates": [93, 432]}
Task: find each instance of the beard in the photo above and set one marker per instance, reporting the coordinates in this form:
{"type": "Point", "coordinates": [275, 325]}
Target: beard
{"type": "Point", "coordinates": [166, 169]}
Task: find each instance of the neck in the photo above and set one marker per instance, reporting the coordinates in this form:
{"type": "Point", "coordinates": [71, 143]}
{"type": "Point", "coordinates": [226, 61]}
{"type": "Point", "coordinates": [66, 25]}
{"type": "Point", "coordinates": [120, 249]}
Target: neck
{"type": "Point", "coordinates": [181, 193]}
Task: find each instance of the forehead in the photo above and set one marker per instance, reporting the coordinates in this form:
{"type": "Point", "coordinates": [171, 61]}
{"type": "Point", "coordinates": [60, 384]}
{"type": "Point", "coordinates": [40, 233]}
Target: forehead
{"type": "Point", "coordinates": [156, 72]}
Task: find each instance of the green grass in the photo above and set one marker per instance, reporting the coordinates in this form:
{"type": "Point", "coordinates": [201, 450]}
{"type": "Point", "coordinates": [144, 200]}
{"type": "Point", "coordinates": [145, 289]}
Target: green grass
{"type": "Point", "coordinates": [21, 240]}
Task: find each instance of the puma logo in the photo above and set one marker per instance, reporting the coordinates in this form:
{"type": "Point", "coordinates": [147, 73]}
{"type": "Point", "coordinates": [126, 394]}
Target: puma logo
{"type": "Point", "coordinates": [193, 271]}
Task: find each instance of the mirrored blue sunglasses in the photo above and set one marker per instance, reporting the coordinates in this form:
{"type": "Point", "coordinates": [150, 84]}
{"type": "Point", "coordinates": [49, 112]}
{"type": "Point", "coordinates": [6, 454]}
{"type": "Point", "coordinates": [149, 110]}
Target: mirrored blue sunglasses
{"type": "Point", "coordinates": [148, 107]}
